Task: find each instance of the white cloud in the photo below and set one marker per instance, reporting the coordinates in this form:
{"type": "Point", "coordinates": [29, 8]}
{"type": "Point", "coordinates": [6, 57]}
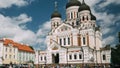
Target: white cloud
{"type": "Point", "coordinates": [108, 2]}
{"type": "Point", "coordinates": [10, 29]}
{"type": "Point", "coordinates": [9, 3]}
{"type": "Point", "coordinates": [42, 33]}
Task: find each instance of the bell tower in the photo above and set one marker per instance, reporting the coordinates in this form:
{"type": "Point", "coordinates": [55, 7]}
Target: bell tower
{"type": "Point", "coordinates": [55, 18]}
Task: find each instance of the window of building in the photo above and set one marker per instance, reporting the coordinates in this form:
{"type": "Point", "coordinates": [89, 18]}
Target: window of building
{"type": "Point", "coordinates": [70, 57]}
{"type": "Point", "coordinates": [104, 57]}
{"type": "Point", "coordinates": [68, 41]}
{"type": "Point", "coordinates": [10, 50]}
{"type": "Point", "coordinates": [41, 58]}
{"type": "Point", "coordinates": [6, 56]}
{"type": "Point", "coordinates": [77, 23]}
{"type": "Point", "coordinates": [64, 41]}
{"type": "Point", "coordinates": [75, 56]}
{"type": "Point", "coordinates": [80, 56]}
{"type": "Point", "coordinates": [10, 56]}
{"type": "Point", "coordinates": [72, 23]}
{"type": "Point", "coordinates": [45, 58]}
{"type": "Point", "coordinates": [6, 49]}
{"type": "Point", "coordinates": [71, 15]}
{"type": "Point", "coordinates": [14, 56]}
{"type": "Point", "coordinates": [83, 40]}
{"type": "Point", "coordinates": [60, 41]}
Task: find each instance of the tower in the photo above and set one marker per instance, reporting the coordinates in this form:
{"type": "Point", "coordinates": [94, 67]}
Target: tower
{"type": "Point", "coordinates": [55, 18]}
{"type": "Point", "coordinates": [72, 12]}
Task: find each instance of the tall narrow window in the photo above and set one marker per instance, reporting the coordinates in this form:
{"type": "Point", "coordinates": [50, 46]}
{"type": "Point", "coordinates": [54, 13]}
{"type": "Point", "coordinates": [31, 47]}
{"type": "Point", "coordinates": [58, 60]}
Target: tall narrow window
{"type": "Point", "coordinates": [80, 56]}
{"type": "Point", "coordinates": [45, 58]}
{"type": "Point", "coordinates": [75, 56]}
{"type": "Point", "coordinates": [104, 57]}
{"type": "Point", "coordinates": [41, 58]}
{"type": "Point", "coordinates": [72, 23]}
{"type": "Point", "coordinates": [70, 57]}
{"type": "Point", "coordinates": [60, 41]}
{"type": "Point", "coordinates": [64, 41]}
{"type": "Point", "coordinates": [77, 23]}
{"type": "Point", "coordinates": [83, 40]}
{"type": "Point", "coordinates": [83, 18]}
{"type": "Point", "coordinates": [71, 15]}
{"type": "Point", "coordinates": [68, 41]}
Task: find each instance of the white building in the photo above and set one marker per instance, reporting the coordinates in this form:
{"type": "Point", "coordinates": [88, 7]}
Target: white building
{"type": "Point", "coordinates": [76, 40]}
{"type": "Point", "coordinates": [15, 53]}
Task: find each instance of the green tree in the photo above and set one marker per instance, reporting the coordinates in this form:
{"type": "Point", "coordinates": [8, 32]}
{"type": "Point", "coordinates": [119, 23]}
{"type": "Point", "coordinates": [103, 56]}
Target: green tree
{"type": "Point", "coordinates": [31, 47]}
{"type": "Point", "coordinates": [115, 53]}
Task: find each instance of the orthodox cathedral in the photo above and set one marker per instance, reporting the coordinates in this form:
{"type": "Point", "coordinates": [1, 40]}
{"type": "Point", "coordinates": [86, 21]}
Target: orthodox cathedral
{"type": "Point", "coordinates": [76, 40]}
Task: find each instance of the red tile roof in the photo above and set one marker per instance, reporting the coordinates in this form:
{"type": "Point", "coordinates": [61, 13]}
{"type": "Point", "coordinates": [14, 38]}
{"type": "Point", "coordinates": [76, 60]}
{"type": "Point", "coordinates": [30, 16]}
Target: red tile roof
{"type": "Point", "coordinates": [21, 47]}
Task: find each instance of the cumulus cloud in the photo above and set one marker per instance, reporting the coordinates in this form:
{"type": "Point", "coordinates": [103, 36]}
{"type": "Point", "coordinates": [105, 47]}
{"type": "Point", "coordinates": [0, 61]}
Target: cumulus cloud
{"type": "Point", "coordinates": [108, 2]}
{"type": "Point", "coordinates": [9, 3]}
{"type": "Point", "coordinates": [10, 29]}
{"type": "Point", "coordinates": [42, 33]}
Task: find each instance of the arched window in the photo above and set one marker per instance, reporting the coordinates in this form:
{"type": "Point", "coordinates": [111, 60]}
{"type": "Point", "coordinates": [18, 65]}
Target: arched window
{"type": "Point", "coordinates": [64, 41]}
{"type": "Point", "coordinates": [75, 56]}
{"type": "Point", "coordinates": [104, 57]}
{"type": "Point", "coordinates": [80, 56]}
{"type": "Point", "coordinates": [60, 41]}
{"type": "Point", "coordinates": [68, 41]}
{"type": "Point", "coordinates": [77, 23]}
{"type": "Point", "coordinates": [41, 58]}
{"type": "Point", "coordinates": [70, 57]}
{"type": "Point", "coordinates": [83, 40]}
{"type": "Point", "coordinates": [72, 23]}
{"type": "Point", "coordinates": [87, 17]}
{"type": "Point", "coordinates": [71, 15]}
{"type": "Point", "coordinates": [83, 18]}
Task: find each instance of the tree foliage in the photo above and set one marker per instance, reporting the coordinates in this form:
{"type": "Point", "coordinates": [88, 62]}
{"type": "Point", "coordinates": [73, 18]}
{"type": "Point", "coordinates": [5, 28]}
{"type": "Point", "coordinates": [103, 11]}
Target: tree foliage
{"type": "Point", "coordinates": [115, 53]}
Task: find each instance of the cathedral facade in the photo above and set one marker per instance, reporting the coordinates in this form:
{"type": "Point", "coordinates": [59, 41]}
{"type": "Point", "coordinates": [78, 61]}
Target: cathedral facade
{"type": "Point", "coordinates": [76, 40]}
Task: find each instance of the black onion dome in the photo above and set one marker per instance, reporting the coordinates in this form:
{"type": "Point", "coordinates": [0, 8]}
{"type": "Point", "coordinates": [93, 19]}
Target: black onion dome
{"type": "Point", "coordinates": [92, 17]}
{"type": "Point", "coordinates": [56, 14]}
{"type": "Point", "coordinates": [73, 3]}
{"type": "Point", "coordinates": [84, 6]}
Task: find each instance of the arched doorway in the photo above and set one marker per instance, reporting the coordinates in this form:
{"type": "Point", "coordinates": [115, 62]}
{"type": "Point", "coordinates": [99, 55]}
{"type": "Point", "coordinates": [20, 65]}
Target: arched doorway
{"type": "Point", "coordinates": [55, 58]}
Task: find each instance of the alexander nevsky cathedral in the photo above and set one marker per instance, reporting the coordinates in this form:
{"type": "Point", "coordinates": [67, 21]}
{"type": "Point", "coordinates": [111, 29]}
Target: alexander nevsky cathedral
{"type": "Point", "coordinates": [77, 40]}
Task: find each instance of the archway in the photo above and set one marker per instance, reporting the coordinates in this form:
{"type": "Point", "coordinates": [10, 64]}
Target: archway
{"type": "Point", "coordinates": [55, 58]}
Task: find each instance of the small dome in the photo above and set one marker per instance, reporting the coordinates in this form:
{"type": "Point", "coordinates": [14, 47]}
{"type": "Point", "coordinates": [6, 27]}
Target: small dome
{"type": "Point", "coordinates": [73, 3]}
{"type": "Point", "coordinates": [84, 7]}
{"type": "Point", "coordinates": [92, 17]}
{"type": "Point", "coordinates": [56, 14]}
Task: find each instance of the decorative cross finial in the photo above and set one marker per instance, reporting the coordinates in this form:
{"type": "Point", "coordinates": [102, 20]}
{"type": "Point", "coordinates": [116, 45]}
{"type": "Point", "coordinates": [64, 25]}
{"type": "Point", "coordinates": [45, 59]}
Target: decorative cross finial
{"type": "Point", "coordinates": [56, 5]}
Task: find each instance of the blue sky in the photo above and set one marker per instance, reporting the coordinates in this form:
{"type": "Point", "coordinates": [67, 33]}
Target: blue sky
{"type": "Point", "coordinates": [28, 21]}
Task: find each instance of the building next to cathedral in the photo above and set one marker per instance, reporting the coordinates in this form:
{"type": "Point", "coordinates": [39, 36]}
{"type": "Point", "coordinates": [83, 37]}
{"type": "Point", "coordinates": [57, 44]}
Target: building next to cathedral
{"type": "Point", "coordinates": [76, 40]}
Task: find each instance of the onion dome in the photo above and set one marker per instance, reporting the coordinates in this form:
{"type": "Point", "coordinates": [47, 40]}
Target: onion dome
{"type": "Point", "coordinates": [84, 6]}
{"type": "Point", "coordinates": [56, 13]}
{"type": "Point", "coordinates": [73, 3]}
{"type": "Point", "coordinates": [92, 17]}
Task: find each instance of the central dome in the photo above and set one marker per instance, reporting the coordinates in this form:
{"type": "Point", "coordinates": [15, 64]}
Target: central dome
{"type": "Point", "coordinates": [56, 14]}
{"type": "Point", "coordinates": [73, 3]}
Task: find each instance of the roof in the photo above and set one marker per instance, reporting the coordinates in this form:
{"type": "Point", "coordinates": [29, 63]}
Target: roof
{"type": "Point", "coordinates": [21, 47]}
{"type": "Point", "coordinates": [73, 3]}
{"type": "Point", "coordinates": [56, 14]}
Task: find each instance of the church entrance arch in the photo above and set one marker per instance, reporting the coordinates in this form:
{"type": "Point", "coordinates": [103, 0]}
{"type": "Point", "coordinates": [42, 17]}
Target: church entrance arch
{"type": "Point", "coordinates": [55, 58]}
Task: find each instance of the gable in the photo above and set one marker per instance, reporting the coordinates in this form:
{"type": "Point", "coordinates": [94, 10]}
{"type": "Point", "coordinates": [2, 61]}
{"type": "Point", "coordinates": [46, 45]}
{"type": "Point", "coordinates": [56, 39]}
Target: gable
{"type": "Point", "coordinates": [64, 27]}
